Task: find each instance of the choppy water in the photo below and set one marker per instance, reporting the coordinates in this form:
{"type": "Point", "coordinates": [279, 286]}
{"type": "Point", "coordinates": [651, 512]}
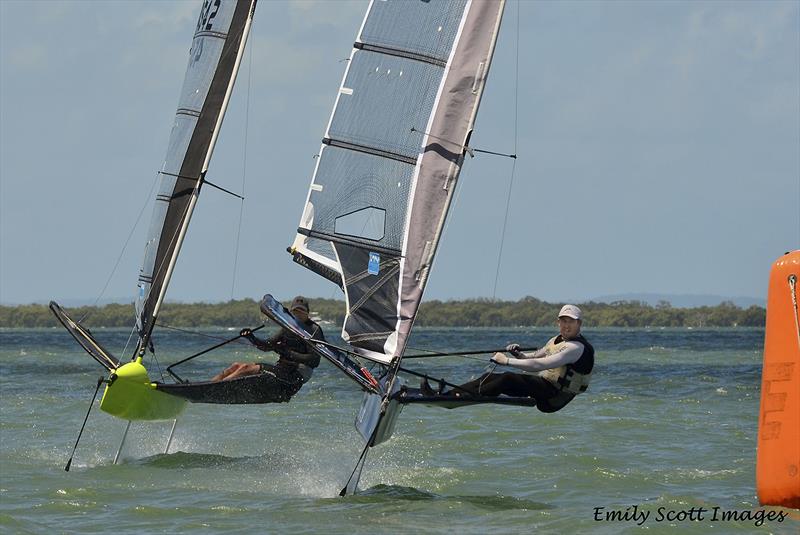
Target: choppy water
{"type": "Point", "coordinates": [669, 424]}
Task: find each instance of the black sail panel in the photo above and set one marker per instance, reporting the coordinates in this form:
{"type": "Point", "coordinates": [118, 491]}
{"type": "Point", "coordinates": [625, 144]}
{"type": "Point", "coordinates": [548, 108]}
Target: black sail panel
{"type": "Point", "coordinates": [371, 282]}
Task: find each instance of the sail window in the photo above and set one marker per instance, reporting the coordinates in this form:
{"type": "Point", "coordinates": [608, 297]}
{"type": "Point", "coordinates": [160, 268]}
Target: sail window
{"type": "Point", "coordinates": [369, 223]}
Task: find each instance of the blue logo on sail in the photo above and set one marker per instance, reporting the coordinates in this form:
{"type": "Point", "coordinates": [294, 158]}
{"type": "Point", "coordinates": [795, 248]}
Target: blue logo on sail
{"type": "Point", "coordinates": [374, 265]}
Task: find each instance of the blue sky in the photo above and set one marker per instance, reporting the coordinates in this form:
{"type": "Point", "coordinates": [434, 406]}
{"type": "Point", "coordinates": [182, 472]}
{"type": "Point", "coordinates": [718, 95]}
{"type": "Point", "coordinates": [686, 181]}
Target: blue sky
{"type": "Point", "coordinates": [658, 142]}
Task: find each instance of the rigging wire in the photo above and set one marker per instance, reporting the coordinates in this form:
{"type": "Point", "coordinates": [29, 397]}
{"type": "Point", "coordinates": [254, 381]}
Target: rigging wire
{"type": "Point", "coordinates": [194, 333]}
{"type": "Point", "coordinates": [514, 165]}
{"type": "Point", "coordinates": [122, 252]}
{"type": "Point", "coordinates": [244, 166]}
{"type": "Point", "coordinates": [128, 341]}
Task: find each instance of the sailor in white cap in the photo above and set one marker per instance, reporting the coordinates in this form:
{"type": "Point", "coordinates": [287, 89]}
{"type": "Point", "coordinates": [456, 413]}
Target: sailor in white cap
{"type": "Point", "coordinates": [556, 373]}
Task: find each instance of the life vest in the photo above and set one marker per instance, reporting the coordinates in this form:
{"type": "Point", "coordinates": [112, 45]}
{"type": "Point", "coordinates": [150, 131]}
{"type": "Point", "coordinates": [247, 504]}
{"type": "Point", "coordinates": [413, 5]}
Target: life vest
{"type": "Point", "coordinates": [573, 378]}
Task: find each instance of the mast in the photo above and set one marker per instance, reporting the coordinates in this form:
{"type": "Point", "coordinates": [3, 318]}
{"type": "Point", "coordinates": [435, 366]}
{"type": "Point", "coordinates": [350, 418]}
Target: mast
{"type": "Point", "coordinates": [390, 160]}
{"type": "Point", "coordinates": [214, 58]}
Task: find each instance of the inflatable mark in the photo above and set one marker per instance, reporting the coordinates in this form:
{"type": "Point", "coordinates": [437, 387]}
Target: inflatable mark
{"type": "Point", "coordinates": [778, 459]}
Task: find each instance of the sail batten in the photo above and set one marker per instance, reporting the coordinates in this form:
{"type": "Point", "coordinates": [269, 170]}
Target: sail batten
{"type": "Point", "coordinates": [214, 58]}
{"type": "Point", "coordinates": [400, 53]}
{"type": "Point", "coordinates": [375, 151]}
{"type": "Point", "coordinates": [457, 106]}
{"type": "Point", "coordinates": [345, 240]}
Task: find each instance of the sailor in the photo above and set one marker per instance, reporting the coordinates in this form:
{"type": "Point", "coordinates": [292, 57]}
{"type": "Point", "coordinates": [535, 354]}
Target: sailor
{"type": "Point", "coordinates": [296, 362]}
{"type": "Point", "coordinates": [561, 369]}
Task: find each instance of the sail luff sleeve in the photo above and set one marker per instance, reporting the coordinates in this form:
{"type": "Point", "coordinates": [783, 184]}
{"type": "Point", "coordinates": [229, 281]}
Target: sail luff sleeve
{"type": "Point", "coordinates": [441, 161]}
{"type": "Point", "coordinates": [217, 45]}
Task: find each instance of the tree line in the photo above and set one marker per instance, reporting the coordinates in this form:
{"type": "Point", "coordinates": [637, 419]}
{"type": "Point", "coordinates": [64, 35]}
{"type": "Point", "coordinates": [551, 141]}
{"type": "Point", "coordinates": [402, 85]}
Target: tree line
{"type": "Point", "coordinates": [527, 311]}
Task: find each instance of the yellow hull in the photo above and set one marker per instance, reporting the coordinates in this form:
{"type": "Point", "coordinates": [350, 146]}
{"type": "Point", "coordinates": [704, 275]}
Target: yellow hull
{"type": "Point", "coordinates": [132, 396]}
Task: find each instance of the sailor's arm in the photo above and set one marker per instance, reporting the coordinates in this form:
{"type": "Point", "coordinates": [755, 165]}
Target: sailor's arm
{"type": "Point", "coordinates": [517, 354]}
{"type": "Point", "coordinates": [570, 353]}
{"type": "Point", "coordinates": [263, 345]}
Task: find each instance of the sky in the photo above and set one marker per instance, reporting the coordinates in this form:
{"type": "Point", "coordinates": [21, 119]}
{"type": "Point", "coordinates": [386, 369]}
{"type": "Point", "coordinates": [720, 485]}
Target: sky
{"type": "Point", "coordinates": [658, 150]}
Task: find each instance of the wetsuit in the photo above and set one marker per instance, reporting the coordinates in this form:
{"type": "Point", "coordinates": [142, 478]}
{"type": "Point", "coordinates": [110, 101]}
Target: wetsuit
{"type": "Point", "coordinates": [296, 362]}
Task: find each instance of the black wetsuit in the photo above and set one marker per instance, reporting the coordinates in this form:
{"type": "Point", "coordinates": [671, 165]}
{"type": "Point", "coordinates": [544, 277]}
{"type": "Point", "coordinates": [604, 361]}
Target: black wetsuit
{"type": "Point", "coordinates": [296, 362]}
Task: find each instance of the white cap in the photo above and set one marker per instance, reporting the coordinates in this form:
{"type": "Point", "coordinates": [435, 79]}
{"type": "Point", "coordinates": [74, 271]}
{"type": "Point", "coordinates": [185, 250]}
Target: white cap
{"type": "Point", "coordinates": [571, 311]}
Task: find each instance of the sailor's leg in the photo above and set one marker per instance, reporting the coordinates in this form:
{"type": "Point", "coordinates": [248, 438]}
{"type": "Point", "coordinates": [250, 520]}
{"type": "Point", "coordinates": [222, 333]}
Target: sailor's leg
{"type": "Point", "coordinates": [494, 384]}
{"type": "Point", "coordinates": [226, 372]}
{"type": "Point", "coordinates": [243, 369]}
{"type": "Point", "coordinates": [237, 369]}
{"type": "Point", "coordinates": [519, 384]}
{"type": "Point", "coordinates": [122, 443]}
{"type": "Point", "coordinates": [487, 384]}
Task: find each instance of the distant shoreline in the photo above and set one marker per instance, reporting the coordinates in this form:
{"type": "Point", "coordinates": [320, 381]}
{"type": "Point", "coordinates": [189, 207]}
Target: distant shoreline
{"type": "Point", "coordinates": [528, 311]}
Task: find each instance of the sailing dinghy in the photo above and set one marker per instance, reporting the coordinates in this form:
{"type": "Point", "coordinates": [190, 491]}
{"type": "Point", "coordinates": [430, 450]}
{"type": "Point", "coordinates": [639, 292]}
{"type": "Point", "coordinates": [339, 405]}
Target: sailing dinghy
{"type": "Point", "coordinates": [216, 52]}
{"type": "Point", "coordinates": [385, 178]}
{"type": "Point", "coordinates": [214, 58]}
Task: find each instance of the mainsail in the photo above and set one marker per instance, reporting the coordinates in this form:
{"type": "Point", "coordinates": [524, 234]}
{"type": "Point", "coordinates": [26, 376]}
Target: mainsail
{"type": "Point", "coordinates": [214, 58]}
{"type": "Point", "coordinates": [390, 159]}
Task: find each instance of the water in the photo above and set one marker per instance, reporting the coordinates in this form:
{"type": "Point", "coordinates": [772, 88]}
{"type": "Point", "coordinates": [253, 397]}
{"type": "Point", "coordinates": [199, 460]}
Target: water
{"type": "Point", "coordinates": [670, 422]}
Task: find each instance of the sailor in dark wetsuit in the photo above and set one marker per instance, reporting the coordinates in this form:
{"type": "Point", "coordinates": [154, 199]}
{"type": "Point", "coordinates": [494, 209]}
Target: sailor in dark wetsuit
{"type": "Point", "coordinates": [563, 368]}
{"type": "Point", "coordinates": [296, 362]}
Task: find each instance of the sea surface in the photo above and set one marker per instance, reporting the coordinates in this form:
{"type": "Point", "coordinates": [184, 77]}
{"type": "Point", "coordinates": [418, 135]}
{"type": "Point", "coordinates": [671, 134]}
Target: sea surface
{"type": "Point", "coordinates": [668, 428]}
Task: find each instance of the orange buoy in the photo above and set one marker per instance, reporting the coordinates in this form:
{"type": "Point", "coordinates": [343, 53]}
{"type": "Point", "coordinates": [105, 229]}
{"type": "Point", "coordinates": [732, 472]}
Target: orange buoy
{"type": "Point", "coordinates": [778, 459]}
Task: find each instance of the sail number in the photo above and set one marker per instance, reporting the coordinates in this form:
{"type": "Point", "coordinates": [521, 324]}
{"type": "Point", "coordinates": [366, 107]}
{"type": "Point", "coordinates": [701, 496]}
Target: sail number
{"type": "Point", "coordinates": [207, 14]}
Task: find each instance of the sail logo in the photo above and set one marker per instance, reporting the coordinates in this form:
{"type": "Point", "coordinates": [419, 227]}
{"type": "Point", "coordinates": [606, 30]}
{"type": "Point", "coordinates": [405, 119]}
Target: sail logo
{"type": "Point", "coordinates": [206, 20]}
{"type": "Point", "coordinates": [374, 265]}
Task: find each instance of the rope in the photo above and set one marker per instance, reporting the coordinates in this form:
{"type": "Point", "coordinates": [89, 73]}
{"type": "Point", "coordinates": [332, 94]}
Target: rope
{"type": "Point", "coordinates": [244, 167]}
{"type": "Point", "coordinates": [486, 375]}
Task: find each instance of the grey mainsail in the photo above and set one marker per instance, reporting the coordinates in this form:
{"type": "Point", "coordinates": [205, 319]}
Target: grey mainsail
{"type": "Point", "coordinates": [217, 47]}
{"type": "Point", "coordinates": [390, 159]}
